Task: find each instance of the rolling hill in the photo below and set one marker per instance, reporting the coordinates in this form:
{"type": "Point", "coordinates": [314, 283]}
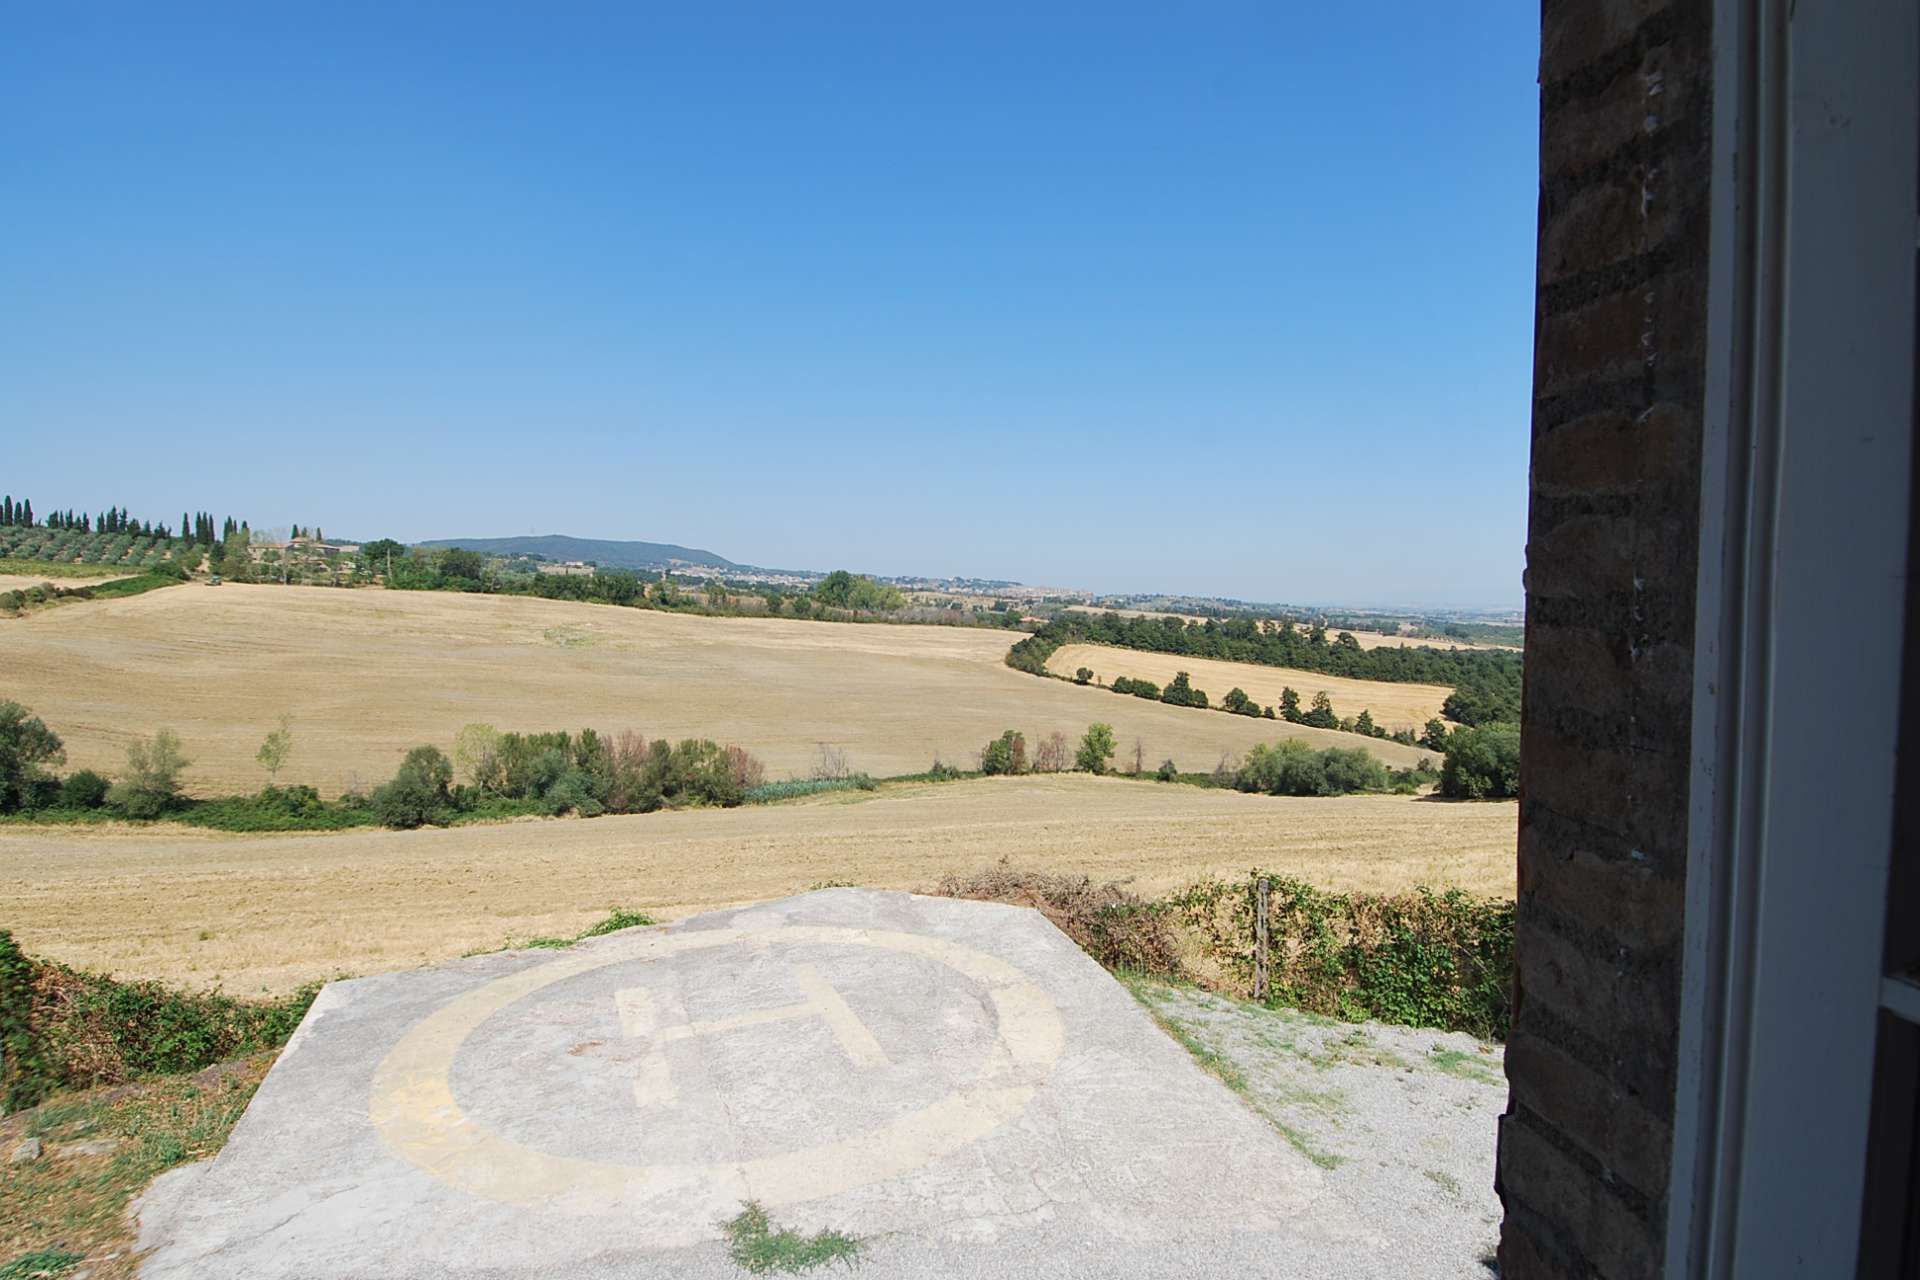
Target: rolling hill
{"type": "Point", "coordinates": [613, 554]}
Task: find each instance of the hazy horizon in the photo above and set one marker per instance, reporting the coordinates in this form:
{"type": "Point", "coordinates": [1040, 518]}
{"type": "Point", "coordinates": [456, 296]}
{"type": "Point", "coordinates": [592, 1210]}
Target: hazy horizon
{"type": "Point", "coordinates": [1237, 306]}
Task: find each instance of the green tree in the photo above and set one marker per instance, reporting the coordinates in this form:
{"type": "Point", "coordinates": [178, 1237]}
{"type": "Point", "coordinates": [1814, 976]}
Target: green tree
{"type": "Point", "coordinates": [1363, 723]}
{"type": "Point", "coordinates": [151, 784]}
{"type": "Point", "coordinates": [1239, 703]}
{"type": "Point", "coordinates": [462, 565]}
{"type": "Point", "coordinates": [1096, 748]}
{"type": "Point", "coordinates": [1005, 754]}
{"type": "Point", "coordinates": [275, 749]}
{"type": "Point", "coordinates": [1290, 706]}
{"type": "Point", "coordinates": [1482, 763]}
{"type": "Point", "coordinates": [1083, 676]}
{"type": "Point", "coordinates": [1320, 715]}
{"type": "Point", "coordinates": [418, 793]}
{"type": "Point", "coordinates": [1181, 693]}
{"type": "Point", "coordinates": [26, 744]}
{"type": "Point", "coordinates": [1434, 736]}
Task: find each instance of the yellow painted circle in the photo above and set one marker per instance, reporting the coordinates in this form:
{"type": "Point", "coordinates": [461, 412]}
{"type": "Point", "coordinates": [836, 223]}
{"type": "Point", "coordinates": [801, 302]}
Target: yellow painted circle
{"type": "Point", "coordinates": [413, 1108]}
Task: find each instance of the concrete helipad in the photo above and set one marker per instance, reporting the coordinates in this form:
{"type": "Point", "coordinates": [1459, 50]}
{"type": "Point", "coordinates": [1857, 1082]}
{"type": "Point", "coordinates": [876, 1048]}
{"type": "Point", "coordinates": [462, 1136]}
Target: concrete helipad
{"type": "Point", "coordinates": [954, 1082]}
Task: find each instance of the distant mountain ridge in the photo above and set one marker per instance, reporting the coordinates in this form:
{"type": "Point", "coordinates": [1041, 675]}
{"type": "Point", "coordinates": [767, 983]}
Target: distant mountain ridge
{"type": "Point", "coordinates": [604, 551]}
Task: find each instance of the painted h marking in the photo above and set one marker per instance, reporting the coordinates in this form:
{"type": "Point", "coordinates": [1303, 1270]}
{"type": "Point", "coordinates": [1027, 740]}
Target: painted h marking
{"type": "Point", "coordinates": [663, 1021]}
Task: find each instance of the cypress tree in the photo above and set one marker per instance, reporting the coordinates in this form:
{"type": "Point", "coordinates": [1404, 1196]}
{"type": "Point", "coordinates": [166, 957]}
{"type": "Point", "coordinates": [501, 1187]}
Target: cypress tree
{"type": "Point", "coordinates": [26, 517]}
{"type": "Point", "coordinates": [6, 510]}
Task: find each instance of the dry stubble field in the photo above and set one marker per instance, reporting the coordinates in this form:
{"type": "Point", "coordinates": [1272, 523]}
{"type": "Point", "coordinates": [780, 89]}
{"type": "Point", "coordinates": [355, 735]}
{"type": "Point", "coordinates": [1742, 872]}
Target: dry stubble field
{"type": "Point", "coordinates": [1393, 706]}
{"type": "Point", "coordinates": [266, 913]}
{"type": "Point", "coordinates": [367, 674]}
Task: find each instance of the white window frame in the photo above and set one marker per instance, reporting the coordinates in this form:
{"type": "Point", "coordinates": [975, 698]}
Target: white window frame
{"type": "Point", "coordinates": [1806, 470]}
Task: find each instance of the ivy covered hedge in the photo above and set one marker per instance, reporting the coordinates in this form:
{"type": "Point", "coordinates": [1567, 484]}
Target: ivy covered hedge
{"type": "Point", "coordinates": [61, 1028]}
{"type": "Point", "coordinates": [1422, 958]}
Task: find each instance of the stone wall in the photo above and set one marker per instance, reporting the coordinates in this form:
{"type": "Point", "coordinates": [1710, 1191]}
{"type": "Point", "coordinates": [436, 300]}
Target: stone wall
{"type": "Point", "coordinates": [1625, 155]}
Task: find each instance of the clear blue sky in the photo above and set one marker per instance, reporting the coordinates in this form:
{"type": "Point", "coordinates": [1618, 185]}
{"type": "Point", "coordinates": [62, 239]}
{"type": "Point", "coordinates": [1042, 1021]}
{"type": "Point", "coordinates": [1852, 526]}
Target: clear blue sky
{"type": "Point", "coordinates": [1221, 298]}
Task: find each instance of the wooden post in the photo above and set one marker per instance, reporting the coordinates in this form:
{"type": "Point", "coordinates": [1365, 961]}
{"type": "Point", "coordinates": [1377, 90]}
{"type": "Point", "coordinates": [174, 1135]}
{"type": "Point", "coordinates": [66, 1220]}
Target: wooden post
{"type": "Point", "coordinates": [1260, 939]}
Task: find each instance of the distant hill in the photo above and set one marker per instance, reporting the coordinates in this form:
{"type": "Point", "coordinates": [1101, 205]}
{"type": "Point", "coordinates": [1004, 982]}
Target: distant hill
{"type": "Point", "coordinates": [620, 555]}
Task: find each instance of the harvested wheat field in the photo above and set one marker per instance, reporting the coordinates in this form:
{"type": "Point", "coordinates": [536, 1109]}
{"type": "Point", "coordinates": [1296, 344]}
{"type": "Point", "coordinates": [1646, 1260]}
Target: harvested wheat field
{"type": "Point", "coordinates": [1394, 706]}
{"type": "Point", "coordinates": [368, 674]}
{"type": "Point", "coordinates": [266, 913]}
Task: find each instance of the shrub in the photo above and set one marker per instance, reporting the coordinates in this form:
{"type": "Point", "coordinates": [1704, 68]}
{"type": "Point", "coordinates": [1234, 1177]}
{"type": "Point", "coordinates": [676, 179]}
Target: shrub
{"type": "Point", "coordinates": [476, 753]}
{"type": "Point", "coordinates": [629, 787]}
{"type": "Point", "coordinates": [1295, 769]}
{"type": "Point", "coordinates": [1482, 763]}
{"type": "Point", "coordinates": [748, 772]}
{"type": "Point", "coordinates": [151, 784]}
{"type": "Point", "coordinates": [1005, 754]}
{"type": "Point", "coordinates": [1138, 688]}
{"type": "Point", "coordinates": [26, 746]}
{"type": "Point", "coordinates": [829, 761]}
{"type": "Point", "coordinates": [1113, 926]}
{"type": "Point", "coordinates": [293, 808]}
{"type": "Point", "coordinates": [83, 790]}
{"type": "Point", "coordinates": [1096, 748]}
{"type": "Point", "coordinates": [1167, 772]}
{"type": "Point", "coordinates": [693, 771]}
{"type": "Point", "coordinates": [1051, 755]}
{"type": "Point", "coordinates": [68, 1029]}
{"type": "Point", "coordinates": [1083, 676]}
{"type": "Point", "coordinates": [1421, 959]}
{"type": "Point", "coordinates": [418, 793]}
{"type": "Point", "coordinates": [1239, 703]}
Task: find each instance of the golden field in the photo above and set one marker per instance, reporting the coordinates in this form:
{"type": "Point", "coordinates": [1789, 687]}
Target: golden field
{"type": "Point", "coordinates": [1393, 706]}
{"type": "Point", "coordinates": [256, 914]}
{"type": "Point", "coordinates": [367, 674]}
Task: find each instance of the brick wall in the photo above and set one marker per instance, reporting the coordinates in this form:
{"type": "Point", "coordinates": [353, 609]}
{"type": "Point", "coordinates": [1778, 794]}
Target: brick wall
{"type": "Point", "coordinates": [1611, 553]}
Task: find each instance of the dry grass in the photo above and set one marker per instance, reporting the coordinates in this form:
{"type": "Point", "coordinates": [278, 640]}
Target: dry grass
{"type": "Point", "coordinates": [266, 914]}
{"type": "Point", "coordinates": [1393, 705]}
{"type": "Point", "coordinates": [368, 674]}
{"type": "Point", "coordinates": [103, 1148]}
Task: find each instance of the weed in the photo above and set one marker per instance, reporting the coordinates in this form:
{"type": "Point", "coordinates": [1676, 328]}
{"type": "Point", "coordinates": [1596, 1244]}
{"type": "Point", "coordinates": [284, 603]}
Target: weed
{"type": "Point", "coordinates": [1466, 1066]}
{"type": "Point", "coordinates": [756, 1245]}
{"type": "Point", "coordinates": [1445, 1181]}
{"type": "Point", "coordinates": [618, 919]}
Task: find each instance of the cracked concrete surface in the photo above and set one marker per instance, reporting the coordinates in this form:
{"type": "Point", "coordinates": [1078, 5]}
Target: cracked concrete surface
{"type": "Point", "coordinates": [955, 1082]}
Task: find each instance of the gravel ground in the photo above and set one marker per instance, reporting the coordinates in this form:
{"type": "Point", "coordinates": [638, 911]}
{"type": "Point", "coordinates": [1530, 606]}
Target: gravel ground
{"type": "Point", "coordinates": [1402, 1119]}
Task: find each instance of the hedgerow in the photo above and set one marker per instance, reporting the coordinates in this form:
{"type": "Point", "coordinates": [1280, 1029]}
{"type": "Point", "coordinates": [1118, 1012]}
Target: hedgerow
{"type": "Point", "coordinates": [1420, 958]}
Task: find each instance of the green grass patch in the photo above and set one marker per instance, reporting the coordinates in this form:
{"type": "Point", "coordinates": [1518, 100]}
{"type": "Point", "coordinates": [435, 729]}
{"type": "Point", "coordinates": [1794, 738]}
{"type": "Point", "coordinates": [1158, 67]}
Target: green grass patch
{"type": "Point", "coordinates": [617, 920]}
{"type": "Point", "coordinates": [1466, 1066]}
{"type": "Point", "coordinates": [41, 1264]}
{"type": "Point", "coordinates": [755, 1244]}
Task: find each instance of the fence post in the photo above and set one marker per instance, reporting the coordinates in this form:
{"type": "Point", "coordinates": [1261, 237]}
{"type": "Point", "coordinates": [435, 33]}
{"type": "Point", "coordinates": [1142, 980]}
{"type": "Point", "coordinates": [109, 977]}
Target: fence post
{"type": "Point", "coordinates": [1260, 939]}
